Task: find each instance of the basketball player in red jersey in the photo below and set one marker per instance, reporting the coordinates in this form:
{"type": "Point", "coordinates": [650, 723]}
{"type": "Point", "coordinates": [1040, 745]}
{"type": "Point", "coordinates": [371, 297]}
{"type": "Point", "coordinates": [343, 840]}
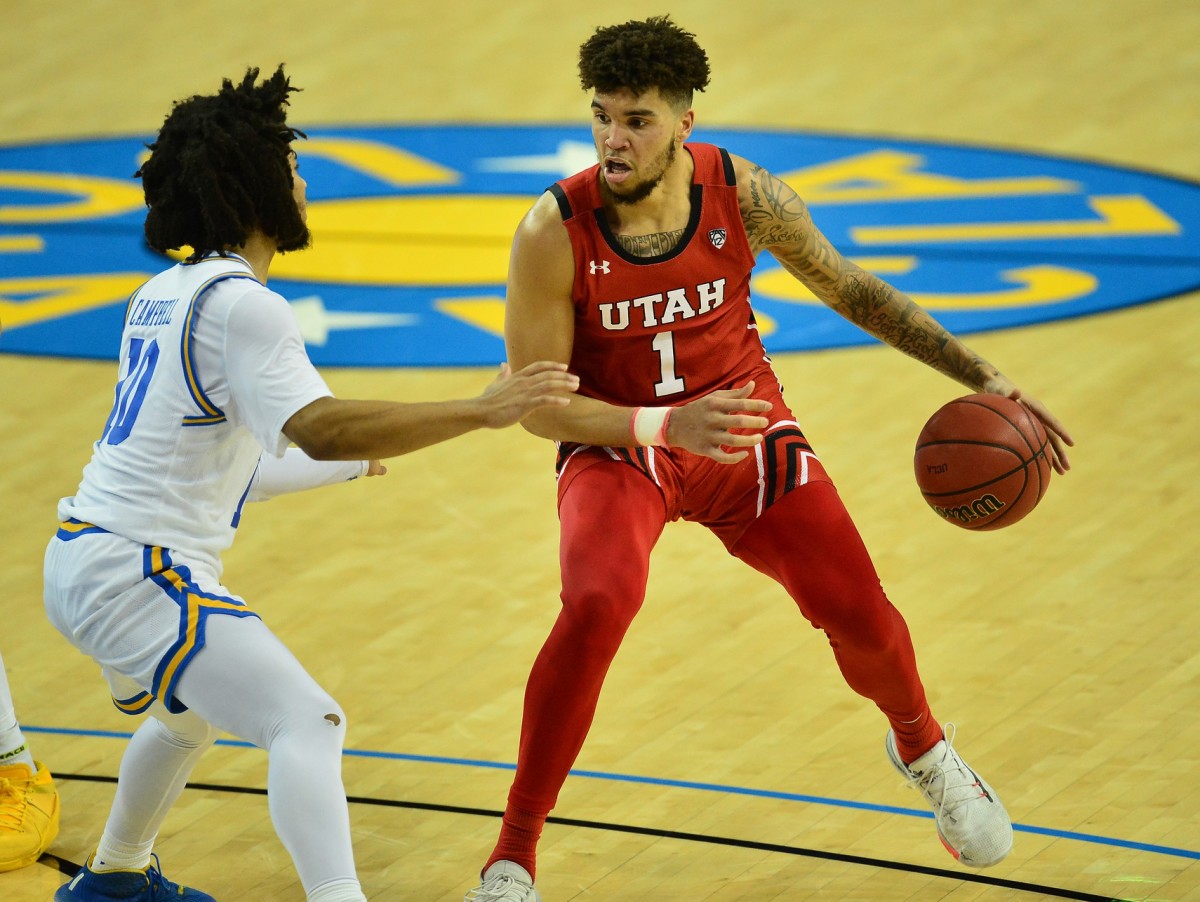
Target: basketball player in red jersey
{"type": "Point", "coordinates": [637, 272]}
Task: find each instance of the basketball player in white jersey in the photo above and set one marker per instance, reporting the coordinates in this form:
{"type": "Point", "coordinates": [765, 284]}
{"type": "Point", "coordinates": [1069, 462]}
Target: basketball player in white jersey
{"type": "Point", "coordinates": [214, 385]}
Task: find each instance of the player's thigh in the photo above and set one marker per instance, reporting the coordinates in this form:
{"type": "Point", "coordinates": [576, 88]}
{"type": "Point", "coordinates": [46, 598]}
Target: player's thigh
{"type": "Point", "coordinates": [246, 682]}
{"type": "Point", "coordinates": [810, 545]}
{"type": "Point", "coordinates": [610, 517]}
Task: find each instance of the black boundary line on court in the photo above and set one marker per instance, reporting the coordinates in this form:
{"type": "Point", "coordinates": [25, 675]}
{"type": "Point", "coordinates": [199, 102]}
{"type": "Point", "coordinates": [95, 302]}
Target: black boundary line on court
{"type": "Point", "coordinates": [71, 869]}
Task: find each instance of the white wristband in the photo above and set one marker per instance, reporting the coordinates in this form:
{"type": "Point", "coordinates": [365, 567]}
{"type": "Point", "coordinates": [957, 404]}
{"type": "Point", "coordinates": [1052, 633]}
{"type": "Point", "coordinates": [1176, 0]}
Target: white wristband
{"type": "Point", "coordinates": [649, 425]}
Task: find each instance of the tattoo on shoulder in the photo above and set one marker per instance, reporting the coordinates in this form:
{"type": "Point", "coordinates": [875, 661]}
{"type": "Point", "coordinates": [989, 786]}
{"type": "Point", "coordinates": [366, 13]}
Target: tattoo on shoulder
{"type": "Point", "coordinates": [774, 213]}
{"type": "Point", "coordinates": [650, 245]}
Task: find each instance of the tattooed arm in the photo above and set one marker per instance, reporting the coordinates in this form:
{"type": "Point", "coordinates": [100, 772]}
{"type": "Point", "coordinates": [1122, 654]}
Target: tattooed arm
{"type": "Point", "coordinates": [777, 220]}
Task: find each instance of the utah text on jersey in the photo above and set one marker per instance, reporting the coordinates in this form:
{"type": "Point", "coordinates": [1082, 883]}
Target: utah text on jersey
{"type": "Point", "coordinates": [661, 310]}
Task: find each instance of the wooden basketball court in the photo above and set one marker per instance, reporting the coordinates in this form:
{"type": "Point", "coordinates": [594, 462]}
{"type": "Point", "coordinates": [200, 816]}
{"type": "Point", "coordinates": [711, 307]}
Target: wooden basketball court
{"type": "Point", "coordinates": [728, 760]}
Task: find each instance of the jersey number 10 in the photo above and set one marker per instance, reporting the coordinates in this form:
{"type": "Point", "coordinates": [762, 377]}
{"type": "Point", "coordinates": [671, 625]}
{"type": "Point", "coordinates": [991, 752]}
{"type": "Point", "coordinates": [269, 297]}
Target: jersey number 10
{"type": "Point", "coordinates": [131, 391]}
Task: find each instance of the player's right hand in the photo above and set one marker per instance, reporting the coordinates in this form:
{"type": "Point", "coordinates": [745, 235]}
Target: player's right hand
{"type": "Point", "coordinates": [513, 396]}
{"type": "Point", "coordinates": [705, 426]}
{"type": "Point", "coordinates": [1059, 437]}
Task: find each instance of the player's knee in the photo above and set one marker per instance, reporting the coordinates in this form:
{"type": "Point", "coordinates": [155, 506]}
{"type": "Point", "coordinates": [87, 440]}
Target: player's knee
{"type": "Point", "coordinates": [325, 716]}
{"type": "Point", "coordinates": [321, 707]}
{"type": "Point", "coordinates": [310, 719]}
{"type": "Point", "coordinates": [317, 736]}
{"type": "Point", "coordinates": [186, 730]}
{"type": "Point", "coordinates": [333, 721]}
{"type": "Point", "coordinates": [600, 611]}
{"type": "Point", "coordinates": [869, 630]}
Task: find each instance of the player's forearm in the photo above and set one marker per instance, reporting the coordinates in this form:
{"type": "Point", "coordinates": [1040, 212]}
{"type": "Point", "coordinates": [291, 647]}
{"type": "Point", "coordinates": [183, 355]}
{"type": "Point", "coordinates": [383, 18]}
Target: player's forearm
{"type": "Point", "coordinates": [893, 317]}
{"type": "Point", "coordinates": [587, 421]}
{"type": "Point", "coordinates": [335, 429]}
{"type": "Point", "coordinates": [297, 472]}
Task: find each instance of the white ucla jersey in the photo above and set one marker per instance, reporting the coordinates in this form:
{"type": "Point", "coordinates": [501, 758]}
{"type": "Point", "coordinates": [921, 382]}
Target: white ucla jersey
{"type": "Point", "coordinates": [212, 365]}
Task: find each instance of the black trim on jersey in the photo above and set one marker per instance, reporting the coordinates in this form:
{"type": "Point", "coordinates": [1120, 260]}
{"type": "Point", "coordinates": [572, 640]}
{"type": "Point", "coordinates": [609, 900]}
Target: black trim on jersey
{"type": "Point", "coordinates": [793, 443]}
{"type": "Point", "coordinates": [688, 233]}
{"type": "Point", "coordinates": [634, 457]}
{"type": "Point", "coordinates": [564, 205]}
{"type": "Point", "coordinates": [727, 165]}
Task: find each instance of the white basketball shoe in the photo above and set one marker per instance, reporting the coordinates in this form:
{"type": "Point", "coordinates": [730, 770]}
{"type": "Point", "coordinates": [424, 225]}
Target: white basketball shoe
{"type": "Point", "coordinates": [971, 820]}
{"type": "Point", "coordinates": [504, 881]}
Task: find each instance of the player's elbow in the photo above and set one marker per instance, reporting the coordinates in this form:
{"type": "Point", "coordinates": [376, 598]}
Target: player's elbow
{"type": "Point", "coordinates": [540, 424]}
{"type": "Point", "coordinates": [312, 431]}
{"type": "Point", "coordinates": [533, 430]}
{"type": "Point", "coordinates": [319, 448]}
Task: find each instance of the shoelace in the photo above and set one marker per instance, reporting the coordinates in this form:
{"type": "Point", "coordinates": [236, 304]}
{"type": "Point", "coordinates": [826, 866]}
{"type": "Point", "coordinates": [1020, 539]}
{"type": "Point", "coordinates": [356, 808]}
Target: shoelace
{"type": "Point", "coordinates": [13, 799]}
{"type": "Point", "coordinates": [936, 783]}
{"type": "Point", "coordinates": [158, 881]}
{"type": "Point", "coordinates": [501, 888]}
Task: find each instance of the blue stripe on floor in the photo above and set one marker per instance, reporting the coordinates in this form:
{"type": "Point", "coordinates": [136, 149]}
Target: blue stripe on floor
{"type": "Point", "coordinates": [678, 784]}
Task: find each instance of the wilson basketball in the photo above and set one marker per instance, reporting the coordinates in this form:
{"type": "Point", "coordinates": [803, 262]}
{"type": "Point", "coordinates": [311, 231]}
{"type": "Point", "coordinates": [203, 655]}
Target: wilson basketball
{"type": "Point", "coordinates": [982, 462]}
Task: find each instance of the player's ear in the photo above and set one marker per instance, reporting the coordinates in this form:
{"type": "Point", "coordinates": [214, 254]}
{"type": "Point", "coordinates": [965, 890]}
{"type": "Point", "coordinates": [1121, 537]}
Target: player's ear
{"type": "Point", "coordinates": [683, 130]}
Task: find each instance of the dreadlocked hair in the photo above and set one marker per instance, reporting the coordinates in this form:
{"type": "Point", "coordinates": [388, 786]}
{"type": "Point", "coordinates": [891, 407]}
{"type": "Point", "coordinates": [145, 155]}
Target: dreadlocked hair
{"type": "Point", "coordinates": [220, 169]}
{"type": "Point", "coordinates": [639, 55]}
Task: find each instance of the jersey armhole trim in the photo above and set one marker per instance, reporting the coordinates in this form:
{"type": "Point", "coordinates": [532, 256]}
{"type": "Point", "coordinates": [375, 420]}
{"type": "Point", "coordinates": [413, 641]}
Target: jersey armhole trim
{"type": "Point", "coordinates": [564, 204]}
{"type": "Point", "coordinates": [210, 413]}
{"type": "Point", "coordinates": [727, 165]}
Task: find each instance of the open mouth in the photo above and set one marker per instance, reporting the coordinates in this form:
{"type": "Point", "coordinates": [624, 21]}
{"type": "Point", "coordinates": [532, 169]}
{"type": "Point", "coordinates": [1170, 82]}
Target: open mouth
{"type": "Point", "coordinates": [616, 170]}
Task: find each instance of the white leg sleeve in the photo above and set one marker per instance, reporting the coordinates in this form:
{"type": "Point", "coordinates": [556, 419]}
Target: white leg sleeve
{"type": "Point", "coordinates": [247, 683]}
{"type": "Point", "coordinates": [154, 770]}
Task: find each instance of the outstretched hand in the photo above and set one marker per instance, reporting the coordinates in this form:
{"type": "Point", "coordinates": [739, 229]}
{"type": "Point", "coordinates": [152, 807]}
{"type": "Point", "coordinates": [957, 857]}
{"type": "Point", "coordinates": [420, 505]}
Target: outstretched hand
{"type": "Point", "coordinates": [513, 396]}
{"type": "Point", "coordinates": [1060, 439]}
{"type": "Point", "coordinates": [705, 426]}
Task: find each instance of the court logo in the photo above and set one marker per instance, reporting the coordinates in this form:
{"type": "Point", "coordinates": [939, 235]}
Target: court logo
{"type": "Point", "coordinates": [412, 228]}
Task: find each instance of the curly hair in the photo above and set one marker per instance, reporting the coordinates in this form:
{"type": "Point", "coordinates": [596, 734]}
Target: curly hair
{"type": "Point", "coordinates": [220, 169]}
{"type": "Point", "coordinates": [639, 55]}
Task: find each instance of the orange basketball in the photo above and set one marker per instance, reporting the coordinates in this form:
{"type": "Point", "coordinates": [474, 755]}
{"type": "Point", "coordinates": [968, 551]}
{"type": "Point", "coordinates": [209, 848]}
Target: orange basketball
{"type": "Point", "coordinates": [982, 462]}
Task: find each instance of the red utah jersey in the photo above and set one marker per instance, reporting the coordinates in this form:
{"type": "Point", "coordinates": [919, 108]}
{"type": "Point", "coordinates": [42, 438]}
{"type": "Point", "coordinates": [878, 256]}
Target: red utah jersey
{"type": "Point", "coordinates": [656, 331]}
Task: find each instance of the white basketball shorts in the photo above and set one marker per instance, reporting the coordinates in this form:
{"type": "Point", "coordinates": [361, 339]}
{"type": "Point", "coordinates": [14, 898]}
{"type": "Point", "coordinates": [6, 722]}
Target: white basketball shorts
{"type": "Point", "coordinates": [138, 610]}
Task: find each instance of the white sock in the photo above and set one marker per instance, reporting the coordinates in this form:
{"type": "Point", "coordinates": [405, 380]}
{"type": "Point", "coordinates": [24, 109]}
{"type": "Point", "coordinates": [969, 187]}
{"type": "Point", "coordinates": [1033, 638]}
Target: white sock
{"type": "Point", "coordinates": [338, 891]}
{"type": "Point", "coordinates": [13, 748]}
{"type": "Point", "coordinates": [15, 754]}
{"type": "Point", "coordinates": [114, 855]}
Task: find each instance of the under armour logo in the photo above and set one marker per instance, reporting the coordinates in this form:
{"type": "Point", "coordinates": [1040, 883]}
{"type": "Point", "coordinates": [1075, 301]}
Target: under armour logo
{"type": "Point", "coordinates": [717, 237]}
{"type": "Point", "coordinates": [601, 267]}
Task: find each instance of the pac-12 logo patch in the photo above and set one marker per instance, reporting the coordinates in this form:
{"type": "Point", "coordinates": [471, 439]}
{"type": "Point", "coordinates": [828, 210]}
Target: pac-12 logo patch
{"type": "Point", "coordinates": [717, 237]}
{"type": "Point", "coordinates": [413, 225]}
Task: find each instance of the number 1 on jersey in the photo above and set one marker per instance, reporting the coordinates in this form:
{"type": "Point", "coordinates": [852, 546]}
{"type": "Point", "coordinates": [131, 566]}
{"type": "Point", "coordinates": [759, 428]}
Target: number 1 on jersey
{"type": "Point", "coordinates": [668, 383]}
